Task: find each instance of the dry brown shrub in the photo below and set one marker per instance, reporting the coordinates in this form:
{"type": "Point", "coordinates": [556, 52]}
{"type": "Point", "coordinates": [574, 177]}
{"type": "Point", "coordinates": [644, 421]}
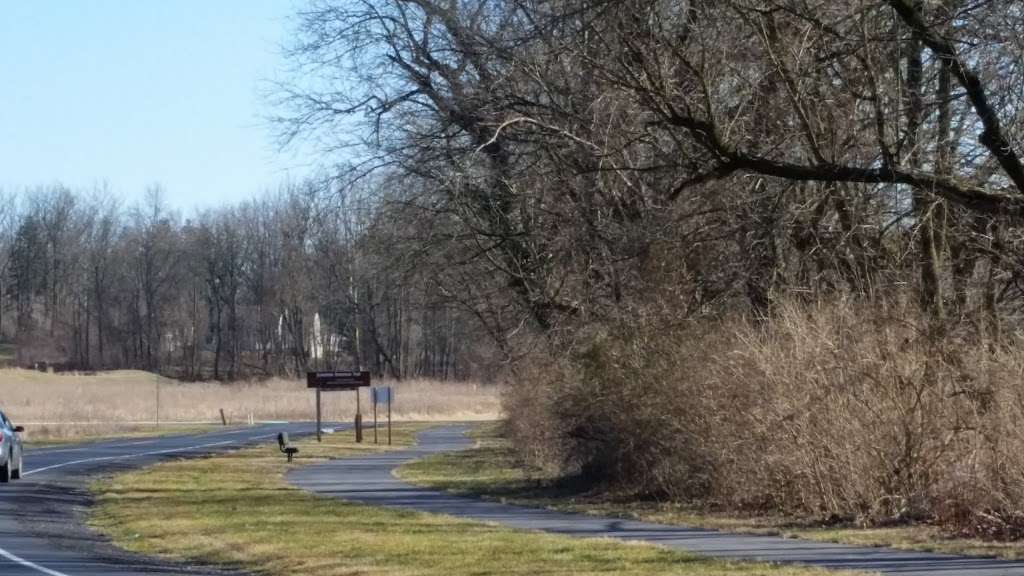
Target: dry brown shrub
{"type": "Point", "coordinates": [616, 413]}
{"type": "Point", "coordinates": [848, 410]}
{"type": "Point", "coordinates": [845, 413]}
{"type": "Point", "coordinates": [535, 428]}
{"type": "Point", "coordinates": [864, 411]}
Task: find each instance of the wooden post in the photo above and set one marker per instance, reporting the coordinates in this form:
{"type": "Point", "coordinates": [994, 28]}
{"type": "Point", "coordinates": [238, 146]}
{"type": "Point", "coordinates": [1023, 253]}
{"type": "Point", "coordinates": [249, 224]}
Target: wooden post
{"type": "Point", "coordinates": [390, 392]}
{"type": "Point", "coordinates": [359, 420]}
{"type": "Point", "coordinates": [157, 400]}
{"type": "Point", "coordinates": [318, 414]}
{"type": "Point", "coordinates": [223, 417]}
{"type": "Point", "coordinates": [373, 398]}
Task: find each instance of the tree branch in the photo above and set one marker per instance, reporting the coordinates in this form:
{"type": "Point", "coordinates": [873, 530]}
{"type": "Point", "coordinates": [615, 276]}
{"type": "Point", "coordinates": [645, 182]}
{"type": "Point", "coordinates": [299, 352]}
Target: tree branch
{"type": "Point", "coordinates": [733, 160]}
{"type": "Point", "coordinates": [992, 137]}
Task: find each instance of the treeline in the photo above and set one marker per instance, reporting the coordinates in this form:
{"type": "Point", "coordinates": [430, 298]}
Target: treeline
{"type": "Point", "coordinates": [763, 254]}
{"type": "Point", "coordinates": [272, 286]}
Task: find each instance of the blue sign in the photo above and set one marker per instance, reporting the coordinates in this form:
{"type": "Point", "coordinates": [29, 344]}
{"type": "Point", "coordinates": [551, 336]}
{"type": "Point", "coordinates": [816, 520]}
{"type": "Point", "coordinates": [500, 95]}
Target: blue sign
{"type": "Point", "coordinates": [382, 395]}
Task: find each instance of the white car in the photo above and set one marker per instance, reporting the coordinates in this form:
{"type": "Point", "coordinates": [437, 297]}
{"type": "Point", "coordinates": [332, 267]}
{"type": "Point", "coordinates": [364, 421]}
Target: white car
{"type": "Point", "coordinates": [10, 450]}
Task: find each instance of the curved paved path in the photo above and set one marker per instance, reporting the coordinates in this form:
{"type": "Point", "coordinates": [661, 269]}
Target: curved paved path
{"type": "Point", "coordinates": [368, 479]}
{"type": "Point", "coordinates": [42, 532]}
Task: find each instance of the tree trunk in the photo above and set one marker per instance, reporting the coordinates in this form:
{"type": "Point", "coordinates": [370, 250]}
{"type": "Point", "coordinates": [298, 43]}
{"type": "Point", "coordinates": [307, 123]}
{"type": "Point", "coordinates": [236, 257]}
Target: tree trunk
{"type": "Point", "coordinates": [925, 207]}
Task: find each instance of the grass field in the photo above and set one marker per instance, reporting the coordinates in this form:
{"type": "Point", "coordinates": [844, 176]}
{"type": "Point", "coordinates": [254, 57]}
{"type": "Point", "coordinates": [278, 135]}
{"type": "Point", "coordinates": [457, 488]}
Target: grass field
{"type": "Point", "coordinates": [491, 471]}
{"type": "Point", "coordinates": [236, 510]}
{"type": "Point", "coordinates": [73, 406]}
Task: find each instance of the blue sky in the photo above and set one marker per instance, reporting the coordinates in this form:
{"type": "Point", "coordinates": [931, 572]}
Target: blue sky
{"type": "Point", "coordinates": [137, 92]}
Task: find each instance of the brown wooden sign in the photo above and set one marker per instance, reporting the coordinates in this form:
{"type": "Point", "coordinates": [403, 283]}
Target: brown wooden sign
{"type": "Point", "coordinates": [338, 379]}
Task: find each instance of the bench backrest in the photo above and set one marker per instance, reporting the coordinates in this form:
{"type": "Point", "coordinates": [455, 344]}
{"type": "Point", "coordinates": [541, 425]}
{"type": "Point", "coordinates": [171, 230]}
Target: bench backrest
{"type": "Point", "coordinates": [282, 439]}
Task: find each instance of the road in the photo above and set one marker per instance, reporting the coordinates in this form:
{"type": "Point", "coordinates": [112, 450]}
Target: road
{"type": "Point", "coordinates": [41, 529]}
{"type": "Point", "coordinates": [368, 479]}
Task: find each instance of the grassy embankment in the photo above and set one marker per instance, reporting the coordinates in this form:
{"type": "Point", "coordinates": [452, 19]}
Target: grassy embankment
{"type": "Point", "coordinates": [236, 510]}
{"type": "Point", "coordinates": [491, 471]}
{"type": "Point", "coordinates": [122, 403]}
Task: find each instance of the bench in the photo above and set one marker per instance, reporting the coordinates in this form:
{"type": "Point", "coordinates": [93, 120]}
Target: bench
{"type": "Point", "coordinates": [285, 446]}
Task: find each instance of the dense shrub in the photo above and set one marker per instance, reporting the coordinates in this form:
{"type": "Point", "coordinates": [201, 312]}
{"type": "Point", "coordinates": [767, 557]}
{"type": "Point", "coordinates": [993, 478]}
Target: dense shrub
{"type": "Point", "coordinates": [837, 410]}
{"type": "Point", "coordinates": [616, 413]}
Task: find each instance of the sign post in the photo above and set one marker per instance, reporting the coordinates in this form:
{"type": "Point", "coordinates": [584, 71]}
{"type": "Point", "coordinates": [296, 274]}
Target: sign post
{"type": "Point", "coordinates": [334, 381]}
{"type": "Point", "coordinates": [373, 400]}
{"type": "Point", "coordinates": [359, 420]}
{"type": "Point", "coordinates": [319, 428]}
{"type": "Point", "coordinates": [378, 396]}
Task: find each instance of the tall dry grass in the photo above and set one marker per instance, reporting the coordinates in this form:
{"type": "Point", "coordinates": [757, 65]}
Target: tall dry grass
{"type": "Point", "coordinates": [866, 412]}
{"type": "Point", "coordinates": [859, 411]}
{"type": "Point", "coordinates": [70, 404]}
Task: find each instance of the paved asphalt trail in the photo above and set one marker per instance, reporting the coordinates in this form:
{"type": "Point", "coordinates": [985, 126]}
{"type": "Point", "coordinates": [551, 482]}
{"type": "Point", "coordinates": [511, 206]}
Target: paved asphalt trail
{"type": "Point", "coordinates": [368, 480]}
{"type": "Point", "coordinates": [41, 529]}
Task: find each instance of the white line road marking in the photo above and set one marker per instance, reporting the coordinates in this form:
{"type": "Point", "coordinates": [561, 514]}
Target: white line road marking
{"type": "Point", "coordinates": [27, 564]}
{"type": "Point", "coordinates": [48, 451]}
{"type": "Point", "coordinates": [30, 450]}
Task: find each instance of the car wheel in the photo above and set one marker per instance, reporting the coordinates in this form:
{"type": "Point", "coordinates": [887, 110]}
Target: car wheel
{"type": "Point", "coordinates": [5, 470]}
{"type": "Point", "coordinates": [16, 474]}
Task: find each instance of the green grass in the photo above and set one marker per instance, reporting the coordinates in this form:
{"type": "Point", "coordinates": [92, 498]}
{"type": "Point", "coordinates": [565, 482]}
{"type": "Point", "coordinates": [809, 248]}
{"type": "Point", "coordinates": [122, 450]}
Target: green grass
{"type": "Point", "coordinates": [491, 471]}
{"type": "Point", "coordinates": [237, 511]}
